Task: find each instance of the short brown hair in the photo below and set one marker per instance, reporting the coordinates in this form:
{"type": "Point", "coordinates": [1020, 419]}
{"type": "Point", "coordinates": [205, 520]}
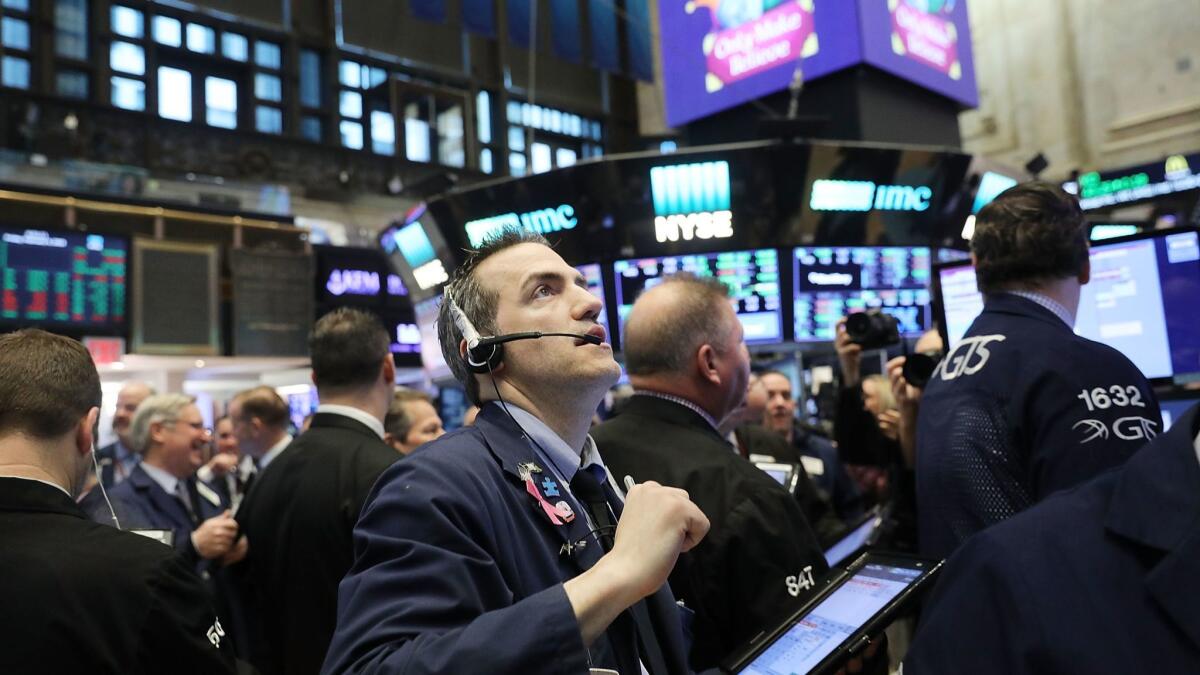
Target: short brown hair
{"type": "Point", "coordinates": [47, 384]}
{"type": "Point", "coordinates": [398, 422]}
{"type": "Point", "coordinates": [1032, 234]}
{"type": "Point", "coordinates": [264, 403]}
{"type": "Point", "coordinates": [347, 347]}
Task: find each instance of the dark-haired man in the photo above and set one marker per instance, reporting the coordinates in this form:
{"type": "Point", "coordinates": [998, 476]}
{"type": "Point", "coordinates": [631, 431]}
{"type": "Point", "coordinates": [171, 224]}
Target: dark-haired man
{"type": "Point", "coordinates": [493, 549]}
{"type": "Point", "coordinates": [81, 597]}
{"type": "Point", "coordinates": [303, 505]}
{"type": "Point", "coordinates": [1022, 406]}
{"type": "Point", "coordinates": [688, 363]}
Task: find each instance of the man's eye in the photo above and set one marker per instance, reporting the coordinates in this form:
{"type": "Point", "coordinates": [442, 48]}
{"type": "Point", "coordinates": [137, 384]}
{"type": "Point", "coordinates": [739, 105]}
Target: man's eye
{"type": "Point", "coordinates": [541, 291]}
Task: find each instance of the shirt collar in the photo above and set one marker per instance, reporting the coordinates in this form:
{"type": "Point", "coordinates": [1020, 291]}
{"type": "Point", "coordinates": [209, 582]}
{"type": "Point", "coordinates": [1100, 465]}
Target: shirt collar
{"type": "Point", "coordinates": [43, 482]}
{"type": "Point", "coordinates": [680, 401]}
{"type": "Point", "coordinates": [165, 480]}
{"type": "Point", "coordinates": [372, 422]}
{"type": "Point", "coordinates": [279, 447]}
{"type": "Point", "coordinates": [1049, 303]}
{"type": "Point", "coordinates": [565, 460]}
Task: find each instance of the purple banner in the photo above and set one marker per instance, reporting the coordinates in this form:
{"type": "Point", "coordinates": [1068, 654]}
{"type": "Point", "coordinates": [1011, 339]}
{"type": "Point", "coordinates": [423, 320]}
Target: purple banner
{"type": "Point", "coordinates": [722, 53]}
{"type": "Point", "coordinates": [927, 42]}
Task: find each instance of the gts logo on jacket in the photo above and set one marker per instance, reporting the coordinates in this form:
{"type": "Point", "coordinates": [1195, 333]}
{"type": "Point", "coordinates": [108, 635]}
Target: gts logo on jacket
{"type": "Point", "coordinates": [967, 358]}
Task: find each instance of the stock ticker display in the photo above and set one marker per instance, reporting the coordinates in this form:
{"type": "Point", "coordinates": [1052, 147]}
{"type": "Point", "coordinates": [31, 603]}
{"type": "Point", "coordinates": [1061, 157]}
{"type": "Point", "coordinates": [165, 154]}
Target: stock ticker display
{"type": "Point", "coordinates": [751, 276]}
{"type": "Point", "coordinates": [830, 283]}
{"type": "Point", "coordinates": [64, 278]}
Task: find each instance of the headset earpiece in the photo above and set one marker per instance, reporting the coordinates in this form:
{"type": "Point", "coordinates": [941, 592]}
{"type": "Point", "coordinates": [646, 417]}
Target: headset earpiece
{"type": "Point", "coordinates": [483, 356]}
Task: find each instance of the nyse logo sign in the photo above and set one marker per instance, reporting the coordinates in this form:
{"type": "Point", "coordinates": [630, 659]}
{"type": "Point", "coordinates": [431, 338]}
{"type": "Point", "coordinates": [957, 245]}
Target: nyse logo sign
{"type": "Point", "coordinates": [863, 195]}
{"type": "Point", "coordinates": [541, 221]}
{"type": "Point", "coordinates": [691, 201]}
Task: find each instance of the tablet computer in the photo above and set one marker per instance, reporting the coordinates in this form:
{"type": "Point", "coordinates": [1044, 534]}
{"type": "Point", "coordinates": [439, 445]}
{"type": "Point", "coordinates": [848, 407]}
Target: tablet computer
{"type": "Point", "coordinates": [787, 475]}
{"type": "Point", "coordinates": [853, 605]}
{"type": "Point", "coordinates": [855, 541]}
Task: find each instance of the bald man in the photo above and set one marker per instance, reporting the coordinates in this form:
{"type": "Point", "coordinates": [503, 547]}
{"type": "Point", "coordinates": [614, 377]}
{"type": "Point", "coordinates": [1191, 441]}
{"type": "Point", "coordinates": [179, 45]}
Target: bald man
{"type": "Point", "coordinates": [689, 367]}
{"type": "Point", "coordinates": [117, 459]}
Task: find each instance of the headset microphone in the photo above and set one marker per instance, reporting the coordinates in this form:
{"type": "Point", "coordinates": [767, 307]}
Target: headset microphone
{"type": "Point", "coordinates": [484, 354]}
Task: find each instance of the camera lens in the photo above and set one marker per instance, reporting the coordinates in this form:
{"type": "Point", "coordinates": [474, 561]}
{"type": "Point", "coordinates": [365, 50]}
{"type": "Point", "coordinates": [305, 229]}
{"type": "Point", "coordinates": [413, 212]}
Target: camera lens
{"type": "Point", "coordinates": [918, 369]}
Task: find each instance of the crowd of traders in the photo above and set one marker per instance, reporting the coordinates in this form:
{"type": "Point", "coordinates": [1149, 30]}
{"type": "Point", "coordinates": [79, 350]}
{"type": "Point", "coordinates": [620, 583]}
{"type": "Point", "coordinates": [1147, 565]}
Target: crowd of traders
{"type": "Point", "coordinates": [535, 540]}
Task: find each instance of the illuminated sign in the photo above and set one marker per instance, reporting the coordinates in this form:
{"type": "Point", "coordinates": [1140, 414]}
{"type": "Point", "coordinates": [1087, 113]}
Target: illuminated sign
{"type": "Point", "coordinates": [417, 249]}
{"type": "Point", "coordinates": [395, 285]}
{"type": "Point", "coordinates": [541, 221]}
{"type": "Point", "coordinates": [407, 339]}
{"type": "Point", "coordinates": [1111, 231]}
{"type": "Point", "coordinates": [354, 282]}
{"type": "Point", "coordinates": [691, 201]}
{"type": "Point", "coordinates": [1177, 173]}
{"type": "Point", "coordinates": [855, 195]}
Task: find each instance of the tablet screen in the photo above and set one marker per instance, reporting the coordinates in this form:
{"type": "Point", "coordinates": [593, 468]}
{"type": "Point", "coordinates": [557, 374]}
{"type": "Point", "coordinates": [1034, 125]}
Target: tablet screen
{"type": "Point", "coordinates": [780, 475]}
{"type": "Point", "coordinates": [850, 543]}
{"type": "Point", "coordinates": [817, 634]}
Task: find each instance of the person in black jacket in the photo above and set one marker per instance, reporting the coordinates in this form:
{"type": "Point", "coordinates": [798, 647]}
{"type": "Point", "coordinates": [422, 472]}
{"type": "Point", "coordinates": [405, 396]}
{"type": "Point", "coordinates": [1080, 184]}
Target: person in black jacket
{"type": "Point", "coordinates": [688, 363]}
{"type": "Point", "coordinates": [299, 514]}
{"type": "Point", "coordinates": [81, 597]}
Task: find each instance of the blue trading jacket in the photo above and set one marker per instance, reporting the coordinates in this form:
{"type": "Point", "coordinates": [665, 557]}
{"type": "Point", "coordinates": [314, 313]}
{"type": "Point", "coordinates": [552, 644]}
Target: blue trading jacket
{"type": "Point", "coordinates": [1101, 579]}
{"type": "Point", "coordinates": [1021, 408]}
{"type": "Point", "coordinates": [456, 570]}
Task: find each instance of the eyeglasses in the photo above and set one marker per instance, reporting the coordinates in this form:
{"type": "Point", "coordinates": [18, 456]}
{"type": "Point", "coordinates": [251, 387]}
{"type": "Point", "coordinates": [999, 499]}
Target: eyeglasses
{"type": "Point", "coordinates": [198, 426]}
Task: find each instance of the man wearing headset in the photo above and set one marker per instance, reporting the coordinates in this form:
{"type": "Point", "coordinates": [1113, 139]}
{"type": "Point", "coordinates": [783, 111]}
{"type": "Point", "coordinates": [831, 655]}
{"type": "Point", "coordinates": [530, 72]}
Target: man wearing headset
{"type": "Point", "coordinates": [493, 548]}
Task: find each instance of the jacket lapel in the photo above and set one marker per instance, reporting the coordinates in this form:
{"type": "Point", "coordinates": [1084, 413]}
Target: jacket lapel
{"type": "Point", "coordinates": [167, 507]}
{"type": "Point", "coordinates": [1156, 503]}
{"type": "Point", "coordinates": [517, 458]}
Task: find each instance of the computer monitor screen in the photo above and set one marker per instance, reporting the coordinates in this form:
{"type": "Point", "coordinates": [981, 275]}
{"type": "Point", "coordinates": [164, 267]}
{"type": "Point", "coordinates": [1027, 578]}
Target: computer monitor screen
{"type": "Point", "coordinates": [1141, 301]}
{"type": "Point", "coordinates": [595, 284]}
{"type": "Point", "coordinates": [830, 283]}
{"type": "Point", "coordinates": [991, 184]}
{"type": "Point", "coordinates": [69, 279]}
{"type": "Point", "coordinates": [751, 276]}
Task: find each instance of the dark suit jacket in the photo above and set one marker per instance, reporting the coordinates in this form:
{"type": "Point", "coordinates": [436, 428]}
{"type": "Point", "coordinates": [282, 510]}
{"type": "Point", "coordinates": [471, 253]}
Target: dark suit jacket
{"type": "Point", "coordinates": [456, 571]}
{"type": "Point", "coordinates": [79, 597]}
{"type": "Point", "coordinates": [1104, 578]}
{"type": "Point", "coordinates": [106, 459]}
{"type": "Point", "coordinates": [141, 504]}
{"type": "Point", "coordinates": [753, 439]}
{"type": "Point", "coordinates": [299, 515]}
{"type": "Point", "coordinates": [751, 567]}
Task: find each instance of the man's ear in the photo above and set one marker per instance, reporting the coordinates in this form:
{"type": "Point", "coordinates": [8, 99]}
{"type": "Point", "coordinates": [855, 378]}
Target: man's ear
{"type": "Point", "coordinates": [1086, 275]}
{"type": "Point", "coordinates": [389, 369]}
{"type": "Point", "coordinates": [706, 364]}
{"type": "Point", "coordinates": [85, 432]}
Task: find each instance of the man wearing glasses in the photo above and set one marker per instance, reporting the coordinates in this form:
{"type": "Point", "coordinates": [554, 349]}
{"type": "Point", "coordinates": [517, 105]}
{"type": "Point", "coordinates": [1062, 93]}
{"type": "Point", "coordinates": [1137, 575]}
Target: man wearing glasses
{"type": "Point", "coordinates": [163, 495]}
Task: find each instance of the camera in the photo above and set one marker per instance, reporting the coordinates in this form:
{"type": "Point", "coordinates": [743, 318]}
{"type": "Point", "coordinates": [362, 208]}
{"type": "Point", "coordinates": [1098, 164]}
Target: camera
{"type": "Point", "coordinates": [873, 329]}
{"type": "Point", "coordinates": [918, 368]}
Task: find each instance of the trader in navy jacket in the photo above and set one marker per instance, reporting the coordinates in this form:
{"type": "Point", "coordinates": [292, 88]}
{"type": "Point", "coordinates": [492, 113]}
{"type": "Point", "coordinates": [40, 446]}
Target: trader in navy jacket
{"type": "Point", "coordinates": [1022, 406]}
{"type": "Point", "coordinates": [1104, 578]}
{"type": "Point", "coordinates": [485, 550]}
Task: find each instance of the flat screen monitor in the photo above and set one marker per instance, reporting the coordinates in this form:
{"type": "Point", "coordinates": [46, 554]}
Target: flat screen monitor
{"type": "Point", "coordinates": [63, 279]}
{"type": "Point", "coordinates": [432, 361]}
{"type": "Point", "coordinates": [1141, 301]}
{"type": "Point", "coordinates": [1102, 231]}
{"type": "Point", "coordinates": [991, 184]}
{"type": "Point", "coordinates": [356, 276]}
{"type": "Point", "coordinates": [831, 282]}
{"type": "Point", "coordinates": [751, 276]}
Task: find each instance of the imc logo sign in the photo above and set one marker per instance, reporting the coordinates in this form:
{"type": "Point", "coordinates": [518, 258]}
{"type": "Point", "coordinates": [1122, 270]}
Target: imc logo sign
{"type": "Point", "coordinates": [691, 201]}
{"type": "Point", "coordinates": [863, 195]}
{"type": "Point", "coordinates": [541, 221]}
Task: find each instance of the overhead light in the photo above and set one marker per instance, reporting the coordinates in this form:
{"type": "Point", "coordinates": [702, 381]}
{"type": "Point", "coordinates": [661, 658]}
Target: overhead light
{"type": "Point", "coordinates": [199, 363]}
{"type": "Point", "coordinates": [117, 365]}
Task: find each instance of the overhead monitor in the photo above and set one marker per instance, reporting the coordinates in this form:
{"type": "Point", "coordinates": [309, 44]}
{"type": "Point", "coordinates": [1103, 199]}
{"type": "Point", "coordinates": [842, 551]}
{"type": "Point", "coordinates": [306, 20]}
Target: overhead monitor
{"type": "Point", "coordinates": [751, 276]}
{"type": "Point", "coordinates": [356, 276]}
{"type": "Point", "coordinates": [831, 282]}
{"type": "Point", "coordinates": [63, 279]}
{"type": "Point", "coordinates": [1141, 301]}
{"type": "Point", "coordinates": [1102, 231]}
{"type": "Point", "coordinates": [418, 253]}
